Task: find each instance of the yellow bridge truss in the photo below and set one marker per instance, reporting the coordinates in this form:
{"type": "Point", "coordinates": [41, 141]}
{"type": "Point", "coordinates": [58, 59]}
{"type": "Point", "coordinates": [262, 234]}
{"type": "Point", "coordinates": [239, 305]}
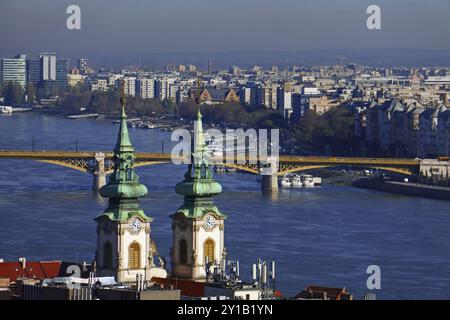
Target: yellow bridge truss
{"type": "Point", "coordinates": [86, 161]}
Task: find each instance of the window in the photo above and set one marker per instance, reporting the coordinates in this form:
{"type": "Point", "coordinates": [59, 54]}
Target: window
{"type": "Point", "coordinates": [183, 251]}
{"type": "Point", "coordinates": [134, 256]}
{"type": "Point", "coordinates": [208, 250]}
{"type": "Point", "coordinates": [107, 255]}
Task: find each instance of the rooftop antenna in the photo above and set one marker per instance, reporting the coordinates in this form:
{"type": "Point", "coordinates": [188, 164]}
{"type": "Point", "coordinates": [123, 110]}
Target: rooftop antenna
{"type": "Point", "coordinates": [254, 273]}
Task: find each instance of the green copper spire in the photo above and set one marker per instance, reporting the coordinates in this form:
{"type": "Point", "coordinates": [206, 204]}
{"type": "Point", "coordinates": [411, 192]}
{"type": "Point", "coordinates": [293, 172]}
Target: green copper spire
{"type": "Point", "coordinates": [123, 140]}
{"type": "Point", "coordinates": [198, 186]}
{"type": "Point", "coordinates": [123, 188]}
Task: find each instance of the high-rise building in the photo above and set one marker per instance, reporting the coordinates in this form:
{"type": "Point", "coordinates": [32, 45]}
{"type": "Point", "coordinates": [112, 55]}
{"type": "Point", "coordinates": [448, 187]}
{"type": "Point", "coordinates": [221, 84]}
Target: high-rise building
{"type": "Point", "coordinates": [129, 86]}
{"type": "Point", "coordinates": [48, 65]}
{"type": "Point", "coordinates": [82, 65]}
{"type": "Point", "coordinates": [162, 87]}
{"type": "Point", "coordinates": [14, 70]}
{"type": "Point", "coordinates": [300, 105]}
{"type": "Point", "coordinates": [54, 74]}
{"type": "Point", "coordinates": [62, 70]}
{"type": "Point", "coordinates": [210, 65]}
{"type": "Point", "coordinates": [266, 95]}
{"type": "Point", "coordinates": [34, 71]}
{"type": "Point", "coordinates": [284, 97]}
{"type": "Point", "coordinates": [146, 88]}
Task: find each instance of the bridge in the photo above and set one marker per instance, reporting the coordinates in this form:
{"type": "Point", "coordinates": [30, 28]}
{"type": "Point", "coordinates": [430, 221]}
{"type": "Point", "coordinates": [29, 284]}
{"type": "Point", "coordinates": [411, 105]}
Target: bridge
{"type": "Point", "coordinates": [100, 164]}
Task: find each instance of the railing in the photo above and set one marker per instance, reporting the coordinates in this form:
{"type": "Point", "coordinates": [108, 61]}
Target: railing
{"type": "Point", "coordinates": [52, 154]}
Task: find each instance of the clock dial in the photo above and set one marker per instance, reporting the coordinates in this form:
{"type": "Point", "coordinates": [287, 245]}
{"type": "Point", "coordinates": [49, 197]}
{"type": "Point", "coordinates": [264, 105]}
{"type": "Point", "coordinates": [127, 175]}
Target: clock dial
{"type": "Point", "coordinates": [135, 225]}
{"type": "Point", "coordinates": [209, 222]}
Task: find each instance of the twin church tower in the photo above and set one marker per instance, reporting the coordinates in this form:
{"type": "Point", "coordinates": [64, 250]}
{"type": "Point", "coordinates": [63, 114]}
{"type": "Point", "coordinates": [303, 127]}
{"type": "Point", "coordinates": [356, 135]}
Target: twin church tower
{"type": "Point", "coordinates": [124, 246]}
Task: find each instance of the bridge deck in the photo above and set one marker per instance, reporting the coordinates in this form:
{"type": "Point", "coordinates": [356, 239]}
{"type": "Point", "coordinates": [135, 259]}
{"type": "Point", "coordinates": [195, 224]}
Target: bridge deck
{"type": "Point", "coordinates": [51, 154]}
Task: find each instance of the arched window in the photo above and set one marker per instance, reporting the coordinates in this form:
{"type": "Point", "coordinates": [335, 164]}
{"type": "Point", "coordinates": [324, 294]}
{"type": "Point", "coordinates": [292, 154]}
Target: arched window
{"type": "Point", "coordinates": [208, 250]}
{"type": "Point", "coordinates": [183, 251]}
{"type": "Point", "coordinates": [107, 255]}
{"type": "Point", "coordinates": [134, 256]}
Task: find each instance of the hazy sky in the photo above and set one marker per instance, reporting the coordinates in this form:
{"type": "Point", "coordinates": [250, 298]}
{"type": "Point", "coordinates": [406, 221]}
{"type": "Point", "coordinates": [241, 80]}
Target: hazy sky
{"type": "Point", "coordinates": [148, 26]}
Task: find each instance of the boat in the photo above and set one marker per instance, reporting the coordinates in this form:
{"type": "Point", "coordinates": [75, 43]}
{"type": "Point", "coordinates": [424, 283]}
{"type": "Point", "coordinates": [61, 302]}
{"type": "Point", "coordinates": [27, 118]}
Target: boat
{"type": "Point", "coordinates": [219, 169]}
{"type": "Point", "coordinates": [231, 169]}
{"type": "Point", "coordinates": [307, 180]}
{"type": "Point", "coordinates": [83, 116]}
{"type": "Point", "coordinates": [317, 181]}
{"type": "Point", "coordinates": [6, 109]}
{"type": "Point", "coordinates": [286, 182]}
{"type": "Point", "coordinates": [21, 109]}
{"type": "Point", "coordinates": [296, 181]}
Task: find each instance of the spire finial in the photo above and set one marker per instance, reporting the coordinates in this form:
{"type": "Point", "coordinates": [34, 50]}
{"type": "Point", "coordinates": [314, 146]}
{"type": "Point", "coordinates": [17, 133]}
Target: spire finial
{"type": "Point", "coordinates": [123, 99]}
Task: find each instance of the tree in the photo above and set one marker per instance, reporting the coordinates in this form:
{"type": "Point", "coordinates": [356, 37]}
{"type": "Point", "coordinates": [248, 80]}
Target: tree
{"type": "Point", "coordinates": [31, 93]}
{"type": "Point", "coordinates": [13, 93]}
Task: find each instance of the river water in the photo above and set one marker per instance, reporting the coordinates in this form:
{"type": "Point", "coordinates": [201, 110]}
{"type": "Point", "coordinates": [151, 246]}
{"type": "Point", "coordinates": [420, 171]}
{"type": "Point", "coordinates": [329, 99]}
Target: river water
{"type": "Point", "coordinates": [324, 236]}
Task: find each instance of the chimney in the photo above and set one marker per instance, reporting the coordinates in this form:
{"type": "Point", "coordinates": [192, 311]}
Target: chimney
{"type": "Point", "coordinates": [23, 262]}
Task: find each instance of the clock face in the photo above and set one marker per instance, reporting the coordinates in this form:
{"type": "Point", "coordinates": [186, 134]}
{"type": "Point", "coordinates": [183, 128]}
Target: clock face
{"type": "Point", "coordinates": [135, 225]}
{"type": "Point", "coordinates": [209, 222]}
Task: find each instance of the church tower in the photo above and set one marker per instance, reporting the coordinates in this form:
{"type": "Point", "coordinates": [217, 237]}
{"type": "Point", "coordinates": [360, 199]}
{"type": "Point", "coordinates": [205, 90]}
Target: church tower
{"type": "Point", "coordinates": [124, 248]}
{"type": "Point", "coordinates": [198, 225]}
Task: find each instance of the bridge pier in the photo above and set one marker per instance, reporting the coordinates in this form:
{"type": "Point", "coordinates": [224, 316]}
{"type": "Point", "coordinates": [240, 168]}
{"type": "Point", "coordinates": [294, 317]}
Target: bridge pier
{"type": "Point", "coordinates": [269, 174]}
{"type": "Point", "coordinates": [99, 174]}
{"type": "Point", "coordinates": [269, 183]}
{"type": "Point", "coordinates": [98, 181]}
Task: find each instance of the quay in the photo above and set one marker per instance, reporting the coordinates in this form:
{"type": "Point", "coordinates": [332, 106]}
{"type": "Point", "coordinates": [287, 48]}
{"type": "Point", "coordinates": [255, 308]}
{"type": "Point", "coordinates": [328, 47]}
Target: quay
{"type": "Point", "coordinates": [405, 188]}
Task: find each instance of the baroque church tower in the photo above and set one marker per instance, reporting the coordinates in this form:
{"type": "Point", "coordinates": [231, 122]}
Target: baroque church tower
{"type": "Point", "coordinates": [124, 247]}
{"type": "Point", "coordinates": [198, 225]}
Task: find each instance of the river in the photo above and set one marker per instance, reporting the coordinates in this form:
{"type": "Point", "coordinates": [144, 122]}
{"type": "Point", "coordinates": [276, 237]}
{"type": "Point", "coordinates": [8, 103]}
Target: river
{"type": "Point", "coordinates": [324, 236]}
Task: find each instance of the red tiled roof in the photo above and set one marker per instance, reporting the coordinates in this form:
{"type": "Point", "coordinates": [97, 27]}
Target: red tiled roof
{"type": "Point", "coordinates": [33, 270]}
{"type": "Point", "coordinates": [188, 287]}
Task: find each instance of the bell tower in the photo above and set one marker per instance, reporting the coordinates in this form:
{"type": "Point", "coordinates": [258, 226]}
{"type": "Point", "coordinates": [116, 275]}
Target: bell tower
{"type": "Point", "coordinates": [124, 248]}
{"type": "Point", "coordinates": [198, 225]}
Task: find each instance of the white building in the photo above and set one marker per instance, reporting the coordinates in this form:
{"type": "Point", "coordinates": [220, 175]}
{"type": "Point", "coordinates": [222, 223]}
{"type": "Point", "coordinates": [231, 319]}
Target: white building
{"type": "Point", "coordinates": [14, 70]}
{"type": "Point", "coordinates": [48, 63]}
{"type": "Point", "coordinates": [129, 86]}
{"type": "Point", "coordinates": [146, 88]}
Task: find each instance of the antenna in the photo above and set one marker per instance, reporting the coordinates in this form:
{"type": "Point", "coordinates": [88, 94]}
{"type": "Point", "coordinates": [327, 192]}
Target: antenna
{"type": "Point", "coordinates": [264, 273]}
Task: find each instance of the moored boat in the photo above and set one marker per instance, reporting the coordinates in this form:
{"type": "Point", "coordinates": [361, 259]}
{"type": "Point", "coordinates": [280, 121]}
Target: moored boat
{"type": "Point", "coordinates": [6, 109]}
{"type": "Point", "coordinates": [296, 181]}
{"type": "Point", "coordinates": [286, 182]}
{"type": "Point", "coordinates": [307, 180]}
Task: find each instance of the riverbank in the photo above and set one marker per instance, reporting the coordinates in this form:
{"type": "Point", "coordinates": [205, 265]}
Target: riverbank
{"type": "Point", "coordinates": [404, 188]}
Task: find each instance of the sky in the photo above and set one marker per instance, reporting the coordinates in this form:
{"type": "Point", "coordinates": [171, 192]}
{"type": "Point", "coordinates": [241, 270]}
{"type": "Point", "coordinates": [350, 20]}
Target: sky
{"type": "Point", "coordinates": [211, 26]}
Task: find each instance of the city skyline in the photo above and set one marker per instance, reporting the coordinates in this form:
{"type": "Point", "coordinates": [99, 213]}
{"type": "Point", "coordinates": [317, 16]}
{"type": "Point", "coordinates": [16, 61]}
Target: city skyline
{"type": "Point", "coordinates": [224, 150]}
